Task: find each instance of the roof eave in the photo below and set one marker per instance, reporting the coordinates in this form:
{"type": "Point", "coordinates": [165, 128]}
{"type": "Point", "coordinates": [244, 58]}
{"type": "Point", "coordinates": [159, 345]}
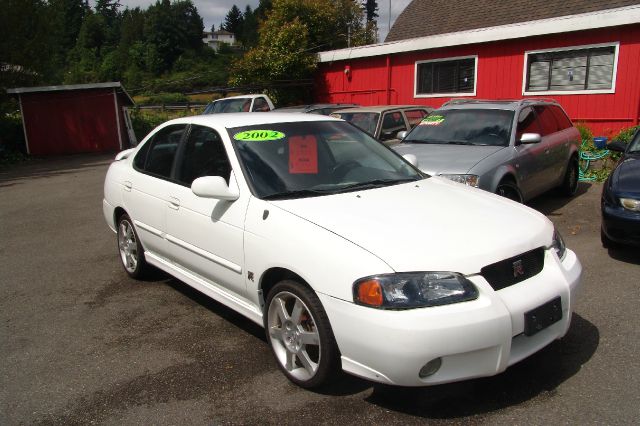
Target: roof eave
{"type": "Point", "coordinates": [89, 86]}
{"type": "Point", "coordinates": [562, 24]}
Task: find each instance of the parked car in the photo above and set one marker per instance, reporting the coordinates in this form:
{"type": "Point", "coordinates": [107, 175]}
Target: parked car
{"type": "Point", "coordinates": [621, 197]}
{"type": "Point", "coordinates": [323, 109]}
{"type": "Point", "coordinates": [243, 103]}
{"type": "Point", "coordinates": [384, 122]}
{"type": "Point", "coordinates": [517, 149]}
{"type": "Point", "coordinates": [285, 219]}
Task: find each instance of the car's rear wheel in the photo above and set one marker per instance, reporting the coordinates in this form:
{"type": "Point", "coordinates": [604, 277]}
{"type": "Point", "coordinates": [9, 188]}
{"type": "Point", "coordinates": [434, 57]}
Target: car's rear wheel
{"type": "Point", "coordinates": [300, 335]}
{"type": "Point", "coordinates": [130, 248]}
{"type": "Point", "coordinates": [570, 182]}
{"type": "Point", "coordinates": [508, 189]}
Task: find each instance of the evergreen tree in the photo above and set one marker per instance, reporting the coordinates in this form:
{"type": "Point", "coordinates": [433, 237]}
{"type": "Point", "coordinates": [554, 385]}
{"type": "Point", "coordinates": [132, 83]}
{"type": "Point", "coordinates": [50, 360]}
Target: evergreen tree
{"type": "Point", "coordinates": [370, 9]}
{"type": "Point", "coordinates": [233, 21]}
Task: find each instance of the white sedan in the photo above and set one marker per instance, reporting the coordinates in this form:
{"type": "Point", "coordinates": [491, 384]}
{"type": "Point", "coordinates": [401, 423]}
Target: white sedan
{"type": "Point", "coordinates": [349, 256]}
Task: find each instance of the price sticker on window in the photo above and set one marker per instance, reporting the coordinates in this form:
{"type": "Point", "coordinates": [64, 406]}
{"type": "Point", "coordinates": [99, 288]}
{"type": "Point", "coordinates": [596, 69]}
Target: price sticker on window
{"type": "Point", "coordinates": [303, 155]}
{"type": "Point", "coordinates": [432, 120]}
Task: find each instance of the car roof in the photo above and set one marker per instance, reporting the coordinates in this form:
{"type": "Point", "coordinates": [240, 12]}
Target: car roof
{"type": "Point", "coordinates": [505, 104]}
{"type": "Point", "coordinates": [311, 107]}
{"type": "Point", "coordinates": [241, 97]}
{"type": "Point", "coordinates": [238, 119]}
{"type": "Point", "coordinates": [383, 108]}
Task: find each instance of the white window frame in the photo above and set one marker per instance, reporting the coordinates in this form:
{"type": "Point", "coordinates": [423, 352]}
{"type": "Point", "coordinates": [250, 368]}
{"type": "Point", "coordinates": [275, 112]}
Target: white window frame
{"type": "Point", "coordinates": [445, 95]}
{"type": "Point", "coordinates": [615, 45]}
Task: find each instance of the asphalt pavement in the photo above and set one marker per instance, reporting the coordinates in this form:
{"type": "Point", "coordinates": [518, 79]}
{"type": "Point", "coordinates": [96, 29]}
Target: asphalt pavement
{"type": "Point", "coordinates": [82, 343]}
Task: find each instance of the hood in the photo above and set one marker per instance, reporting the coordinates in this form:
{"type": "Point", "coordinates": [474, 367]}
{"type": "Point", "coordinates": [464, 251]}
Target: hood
{"type": "Point", "coordinates": [435, 159]}
{"type": "Point", "coordinates": [429, 225]}
{"type": "Point", "coordinates": [626, 177]}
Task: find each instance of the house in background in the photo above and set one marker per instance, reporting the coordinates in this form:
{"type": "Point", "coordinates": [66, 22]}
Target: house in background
{"type": "Point", "coordinates": [76, 118]}
{"type": "Point", "coordinates": [215, 39]}
{"type": "Point", "coordinates": [585, 54]}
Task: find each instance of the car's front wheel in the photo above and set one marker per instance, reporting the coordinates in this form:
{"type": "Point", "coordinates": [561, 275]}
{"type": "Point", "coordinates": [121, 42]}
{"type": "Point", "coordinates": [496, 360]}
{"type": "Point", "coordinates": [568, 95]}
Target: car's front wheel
{"type": "Point", "coordinates": [508, 189]}
{"type": "Point", "coordinates": [300, 335]}
{"type": "Point", "coordinates": [571, 176]}
{"type": "Point", "coordinates": [130, 248]}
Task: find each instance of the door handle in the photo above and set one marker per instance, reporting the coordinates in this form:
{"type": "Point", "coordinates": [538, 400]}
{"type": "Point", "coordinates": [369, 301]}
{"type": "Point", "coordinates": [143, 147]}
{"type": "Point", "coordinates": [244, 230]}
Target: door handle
{"type": "Point", "coordinates": [127, 185]}
{"type": "Point", "coordinates": [174, 203]}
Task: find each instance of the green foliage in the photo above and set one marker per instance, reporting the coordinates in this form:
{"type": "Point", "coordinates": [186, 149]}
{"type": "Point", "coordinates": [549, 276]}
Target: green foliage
{"type": "Point", "coordinates": [166, 98]}
{"type": "Point", "coordinates": [599, 170]}
{"type": "Point", "coordinates": [12, 145]}
{"type": "Point", "coordinates": [233, 22]}
{"type": "Point", "coordinates": [143, 121]}
{"type": "Point", "coordinates": [625, 135]}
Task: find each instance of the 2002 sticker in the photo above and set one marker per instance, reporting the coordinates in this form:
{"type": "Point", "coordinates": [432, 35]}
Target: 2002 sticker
{"type": "Point", "coordinates": [432, 120]}
{"type": "Point", "coordinates": [259, 135]}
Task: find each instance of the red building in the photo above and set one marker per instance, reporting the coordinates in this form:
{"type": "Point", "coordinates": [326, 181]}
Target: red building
{"type": "Point", "coordinates": [583, 53]}
{"type": "Point", "coordinates": [73, 119]}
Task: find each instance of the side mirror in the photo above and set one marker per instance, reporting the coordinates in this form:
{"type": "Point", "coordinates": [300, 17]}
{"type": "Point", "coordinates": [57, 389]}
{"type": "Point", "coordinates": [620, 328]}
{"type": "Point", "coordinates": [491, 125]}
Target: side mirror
{"type": "Point", "coordinates": [213, 187]}
{"type": "Point", "coordinates": [618, 146]}
{"type": "Point", "coordinates": [402, 134]}
{"type": "Point", "coordinates": [411, 159]}
{"type": "Point", "coordinates": [530, 138]}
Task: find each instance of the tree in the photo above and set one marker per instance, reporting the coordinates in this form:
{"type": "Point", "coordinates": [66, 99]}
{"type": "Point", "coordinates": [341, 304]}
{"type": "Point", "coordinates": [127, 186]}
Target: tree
{"type": "Point", "coordinates": [233, 22]}
{"type": "Point", "coordinates": [249, 35]}
{"type": "Point", "coordinates": [370, 9]}
{"type": "Point", "coordinates": [291, 33]}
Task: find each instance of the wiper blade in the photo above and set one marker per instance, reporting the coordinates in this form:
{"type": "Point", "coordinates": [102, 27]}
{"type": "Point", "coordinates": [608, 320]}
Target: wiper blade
{"type": "Point", "coordinates": [301, 193]}
{"type": "Point", "coordinates": [459, 143]}
{"type": "Point", "coordinates": [422, 141]}
{"type": "Point", "coordinates": [378, 183]}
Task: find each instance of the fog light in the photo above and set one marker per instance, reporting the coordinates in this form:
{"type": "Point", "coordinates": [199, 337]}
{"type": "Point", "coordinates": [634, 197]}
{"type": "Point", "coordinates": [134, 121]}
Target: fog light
{"type": "Point", "coordinates": [430, 368]}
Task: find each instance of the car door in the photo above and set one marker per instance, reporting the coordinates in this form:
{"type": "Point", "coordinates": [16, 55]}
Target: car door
{"type": "Point", "coordinates": [561, 149]}
{"type": "Point", "coordinates": [145, 192]}
{"type": "Point", "coordinates": [392, 123]}
{"type": "Point", "coordinates": [552, 141]}
{"type": "Point", "coordinates": [205, 235]}
{"type": "Point", "coordinates": [527, 162]}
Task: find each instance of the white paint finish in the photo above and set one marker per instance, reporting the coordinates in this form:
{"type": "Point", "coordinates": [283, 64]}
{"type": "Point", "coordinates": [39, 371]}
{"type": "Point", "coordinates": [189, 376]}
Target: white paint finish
{"type": "Point", "coordinates": [615, 44]}
{"type": "Point", "coordinates": [331, 241]}
{"type": "Point", "coordinates": [115, 103]}
{"type": "Point", "coordinates": [586, 21]}
{"type": "Point", "coordinates": [24, 126]}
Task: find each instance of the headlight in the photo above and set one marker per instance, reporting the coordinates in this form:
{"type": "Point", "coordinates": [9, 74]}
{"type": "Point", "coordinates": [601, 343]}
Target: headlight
{"type": "Point", "coordinates": [413, 290]}
{"type": "Point", "coordinates": [471, 180]}
{"type": "Point", "coordinates": [558, 245]}
{"type": "Point", "coordinates": [630, 204]}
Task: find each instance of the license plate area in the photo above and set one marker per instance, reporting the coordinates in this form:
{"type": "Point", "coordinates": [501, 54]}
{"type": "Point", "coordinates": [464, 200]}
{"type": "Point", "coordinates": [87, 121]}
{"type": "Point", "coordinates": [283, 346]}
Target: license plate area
{"type": "Point", "coordinates": [542, 317]}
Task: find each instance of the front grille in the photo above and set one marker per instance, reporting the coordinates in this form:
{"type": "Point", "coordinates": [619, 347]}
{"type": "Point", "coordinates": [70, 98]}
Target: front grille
{"type": "Point", "coordinates": [515, 269]}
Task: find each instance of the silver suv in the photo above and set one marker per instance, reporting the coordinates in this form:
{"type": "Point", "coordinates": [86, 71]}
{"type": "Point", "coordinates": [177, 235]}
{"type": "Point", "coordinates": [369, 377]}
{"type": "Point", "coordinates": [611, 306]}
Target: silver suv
{"type": "Point", "coordinates": [517, 149]}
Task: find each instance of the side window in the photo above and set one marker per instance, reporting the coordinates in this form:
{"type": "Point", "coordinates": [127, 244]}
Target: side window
{"type": "Point", "coordinates": [203, 155]}
{"type": "Point", "coordinates": [527, 123]}
{"type": "Point", "coordinates": [141, 157]}
{"type": "Point", "coordinates": [547, 120]}
{"type": "Point", "coordinates": [415, 116]}
{"type": "Point", "coordinates": [260, 105]}
{"type": "Point", "coordinates": [561, 117]}
{"type": "Point", "coordinates": [392, 123]}
{"type": "Point", "coordinates": [162, 150]}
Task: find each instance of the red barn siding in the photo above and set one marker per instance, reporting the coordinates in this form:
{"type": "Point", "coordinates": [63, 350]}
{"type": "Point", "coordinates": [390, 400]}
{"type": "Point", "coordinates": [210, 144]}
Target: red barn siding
{"type": "Point", "coordinates": [499, 76]}
{"type": "Point", "coordinates": [70, 122]}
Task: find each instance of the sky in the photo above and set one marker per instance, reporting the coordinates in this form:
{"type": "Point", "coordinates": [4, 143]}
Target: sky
{"type": "Point", "coordinates": [214, 11]}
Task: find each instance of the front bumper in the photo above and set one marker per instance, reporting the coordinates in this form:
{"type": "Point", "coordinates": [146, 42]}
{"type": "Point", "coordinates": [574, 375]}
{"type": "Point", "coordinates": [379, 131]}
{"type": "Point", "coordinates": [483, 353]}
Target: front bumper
{"type": "Point", "coordinates": [474, 339]}
{"type": "Point", "coordinates": [621, 225]}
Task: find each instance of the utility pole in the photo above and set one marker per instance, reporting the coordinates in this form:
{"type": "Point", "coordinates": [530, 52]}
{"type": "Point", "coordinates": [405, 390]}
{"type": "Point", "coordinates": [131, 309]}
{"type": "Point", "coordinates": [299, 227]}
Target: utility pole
{"type": "Point", "coordinates": [389, 17]}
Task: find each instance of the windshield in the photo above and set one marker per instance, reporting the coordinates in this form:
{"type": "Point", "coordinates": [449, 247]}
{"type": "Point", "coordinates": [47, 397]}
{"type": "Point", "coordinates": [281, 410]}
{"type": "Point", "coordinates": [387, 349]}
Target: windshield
{"type": "Point", "coordinates": [464, 127]}
{"type": "Point", "coordinates": [228, 105]}
{"type": "Point", "coordinates": [304, 159]}
{"type": "Point", "coordinates": [634, 145]}
{"type": "Point", "coordinates": [367, 121]}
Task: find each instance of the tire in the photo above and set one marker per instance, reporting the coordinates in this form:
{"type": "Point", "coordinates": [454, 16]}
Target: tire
{"type": "Point", "coordinates": [606, 242]}
{"type": "Point", "coordinates": [130, 249]}
{"type": "Point", "coordinates": [509, 189]}
{"type": "Point", "coordinates": [300, 335]}
{"type": "Point", "coordinates": [569, 185]}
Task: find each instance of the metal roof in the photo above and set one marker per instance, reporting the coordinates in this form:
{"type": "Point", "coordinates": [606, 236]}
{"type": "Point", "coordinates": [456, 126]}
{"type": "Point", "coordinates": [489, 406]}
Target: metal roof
{"type": "Point", "coordinates": [61, 88]}
{"type": "Point", "coordinates": [627, 15]}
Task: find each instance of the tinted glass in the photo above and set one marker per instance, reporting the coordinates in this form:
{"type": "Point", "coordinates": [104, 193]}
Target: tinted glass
{"type": "Point", "coordinates": [464, 127]}
{"type": "Point", "coordinates": [260, 104]}
{"type": "Point", "coordinates": [367, 121]}
{"type": "Point", "coordinates": [455, 76]}
{"type": "Point", "coordinates": [203, 155]}
{"type": "Point", "coordinates": [287, 160]}
{"type": "Point", "coordinates": [415, 116]}
{"type": "Point", "coordinates": [547, 119]}
{"type": "Point", "coordinates": [141, 156]}
{"type": "Point", "coordinates": [228, 105]}
{"type": "Point", "coordinates": [163, 150]}
{"type": "Point", "coordinates": [392, 123]}
{"type": "Point", "coordinates": [527, 123]}
{"type": "Point", "coordinates": [561, 118]}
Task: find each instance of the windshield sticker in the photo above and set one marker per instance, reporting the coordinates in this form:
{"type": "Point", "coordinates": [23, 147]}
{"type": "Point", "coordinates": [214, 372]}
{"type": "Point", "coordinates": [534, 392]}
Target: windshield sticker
{"type": "Point", "coordinates": [259, 136]}
{"type": "Point", "coordinates": [303, 155]}
{"type": "Point", "coordinates": [432, 120]}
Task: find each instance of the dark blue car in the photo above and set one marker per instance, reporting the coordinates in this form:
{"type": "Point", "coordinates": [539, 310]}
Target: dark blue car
{"type": "Point", "coordinates": [621, 197]}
